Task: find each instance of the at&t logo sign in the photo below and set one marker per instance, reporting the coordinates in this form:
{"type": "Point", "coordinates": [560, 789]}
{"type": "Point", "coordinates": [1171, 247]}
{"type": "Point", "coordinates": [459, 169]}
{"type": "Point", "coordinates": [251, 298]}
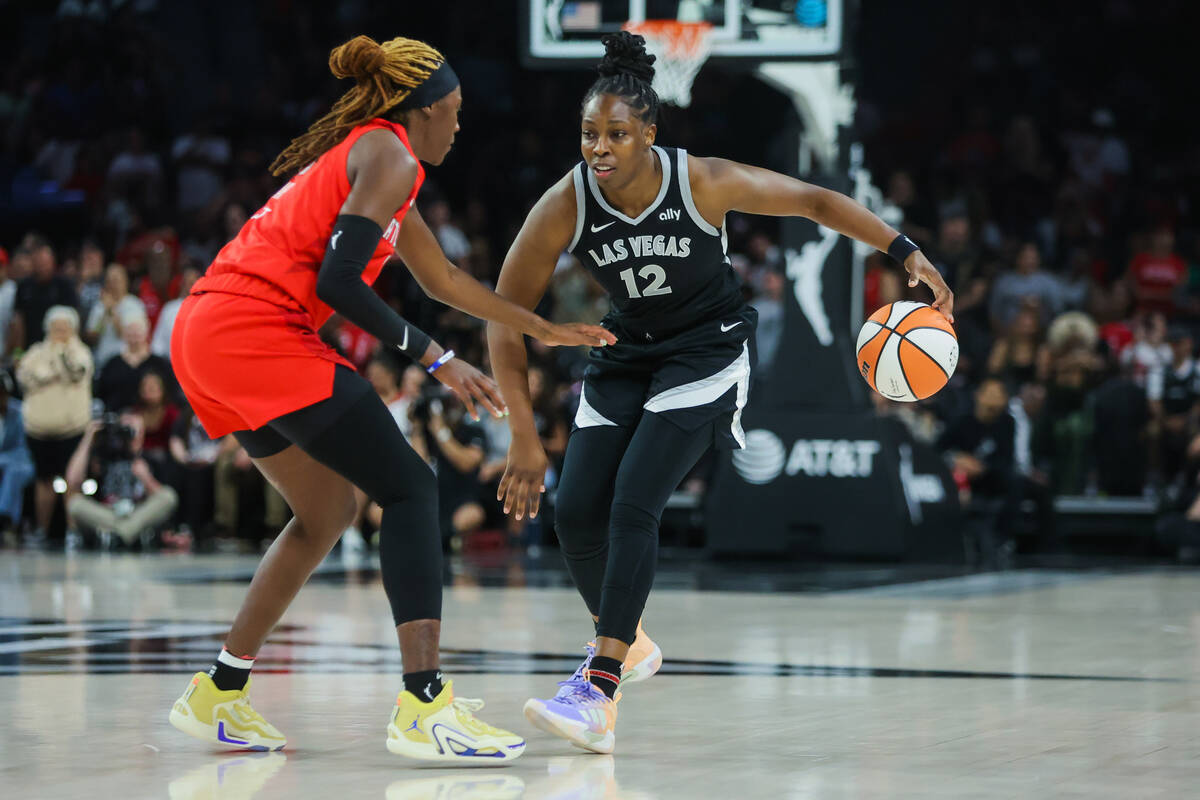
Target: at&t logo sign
{"type": "Point", "coordinates": [765, 458]}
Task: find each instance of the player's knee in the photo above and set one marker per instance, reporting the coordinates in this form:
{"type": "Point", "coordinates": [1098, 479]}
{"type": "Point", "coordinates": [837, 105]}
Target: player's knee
{"type": "Point", "coordinates": [402, 483]}
{"type": "Point", "coordinates": [580, 529]}
{"type": "Point", "coordinates": [632, 518]}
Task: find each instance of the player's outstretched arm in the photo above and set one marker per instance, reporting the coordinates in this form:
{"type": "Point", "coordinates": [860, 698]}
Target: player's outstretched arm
{"type": "Point", "coordinates": [720, 186]}
{"type": "Point", "coordinates": [527, 269]}
{"type": "Point", "coordinates": [443, 281]}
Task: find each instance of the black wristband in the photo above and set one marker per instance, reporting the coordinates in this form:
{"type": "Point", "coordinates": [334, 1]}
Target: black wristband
{"type": "Point", "coordinates": [902, 247]}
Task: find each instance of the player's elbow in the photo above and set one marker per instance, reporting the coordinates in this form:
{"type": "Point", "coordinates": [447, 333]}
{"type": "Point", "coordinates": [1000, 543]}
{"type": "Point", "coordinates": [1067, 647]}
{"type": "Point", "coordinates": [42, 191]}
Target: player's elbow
{"type": "Point", "coordinates": [328, 289]}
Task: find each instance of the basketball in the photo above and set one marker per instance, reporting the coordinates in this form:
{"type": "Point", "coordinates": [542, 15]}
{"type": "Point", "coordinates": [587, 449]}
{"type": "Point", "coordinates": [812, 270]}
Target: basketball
{"type": "Point", "coordinates": [907, 351]}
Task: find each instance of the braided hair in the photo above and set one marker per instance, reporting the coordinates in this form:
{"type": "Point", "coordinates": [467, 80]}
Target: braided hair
{"type": "Point", "coordinates": [626, 71]}
{"type": "Point", "coordinates": [384, 76]}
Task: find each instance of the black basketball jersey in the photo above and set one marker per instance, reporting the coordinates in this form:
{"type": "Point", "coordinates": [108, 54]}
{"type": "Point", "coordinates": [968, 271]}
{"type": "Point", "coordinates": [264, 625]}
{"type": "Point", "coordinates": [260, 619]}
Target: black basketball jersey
{"type": "Point", "coordinates": [667, 270]}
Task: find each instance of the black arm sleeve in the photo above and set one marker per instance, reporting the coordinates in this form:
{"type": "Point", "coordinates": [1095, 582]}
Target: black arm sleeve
{"type": "Point", "coordinates": [340, 284]}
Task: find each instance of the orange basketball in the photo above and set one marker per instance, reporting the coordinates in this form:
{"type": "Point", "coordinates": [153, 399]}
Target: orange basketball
{"type": "Point", "coordinates": [907, 351]}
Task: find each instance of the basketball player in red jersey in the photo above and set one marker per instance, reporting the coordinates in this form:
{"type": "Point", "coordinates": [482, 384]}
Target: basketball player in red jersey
{"type": "Point", "coordinates": [246, 352]}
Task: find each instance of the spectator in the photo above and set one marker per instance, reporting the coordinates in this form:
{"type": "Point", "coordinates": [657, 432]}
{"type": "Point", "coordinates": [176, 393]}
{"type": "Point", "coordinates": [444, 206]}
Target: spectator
{"type": "Point", "coordinates": [980, 448]}
{"type": "Point", "coordinates": [1027, 408]}
{"type": "Point", "coordinates": [549, 419]}
{"type": "Point", "coordinates": [16, 465]}
{"type": "Point", "coordinates": [1148, 358]}
{"type": "Point", "coordinates": [37, 293]}
{"type": "Point", "coordinates": [916, 218]}
{"type": "Point", "coordinates": [1074, 366]}
{"type": "Point", "coordinates": [136, 174]}
{"type": "Point", "coordinates": [8, 295]}
{"type": "Point", "coordinates": [1176, 404]}
{"type": "Point", "coordinates": [351, 341]}
{"type": "Point", "coordinates": [240, 491]}
{"type": "Point", "coordinates": [1120, 412]}
{"type": "Point", "coordinates": [1157, 273]}
{"type": "Point", "coordinates": [121, 375]}
{"type": "Point", "coordinates": [770, 320]}
{"type": "Point", "coordinates": [195, 455]}
{"type": "Point", "coordinates": [158, 415]}
{"type": "Point", "coordinates": [954, 253]}
{"type": "Point", "coordinates": [1028, 281]}
{"type": "Point", "coordinates": [125, 498]}
{"type": "Point", "coordinates": [397, 386]}
{"type": "Point", "coordinates": [91, 277]}
{"type": "Point", "coordinates": [201, 157]}
{"type": "Point", "coordinates": [56, 377]}
{"type": "Point", "coordinates": [453, 241]}
{"type": "Point", "coordinates": [160, 345]}
{"type": "Point", "coordinates": [103, 329]}
{"type": "Point", "coordinates": [398, 390]}
{"type": "Point", "coordinates": [159, 286]}
{"type": "Point", "coordinates": [458, 448]}
{"type": "Point", "coordinates": [1018, 356]}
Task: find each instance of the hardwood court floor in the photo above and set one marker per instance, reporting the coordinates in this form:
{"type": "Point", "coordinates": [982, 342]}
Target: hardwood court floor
{"type": "Point", "coordinates": [1024, 684]}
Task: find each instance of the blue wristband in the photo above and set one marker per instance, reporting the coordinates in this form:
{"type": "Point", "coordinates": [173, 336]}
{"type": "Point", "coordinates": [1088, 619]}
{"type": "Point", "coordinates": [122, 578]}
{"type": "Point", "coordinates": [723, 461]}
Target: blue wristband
{"type": "Point", "coordinates": [902, 247]}
{"type": "Point", "coordinates": [442, 359]}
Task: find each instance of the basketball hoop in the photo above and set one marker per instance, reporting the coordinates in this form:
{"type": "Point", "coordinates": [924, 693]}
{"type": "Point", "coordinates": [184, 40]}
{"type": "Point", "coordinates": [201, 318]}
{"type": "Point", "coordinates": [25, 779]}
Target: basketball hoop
{"type": "Point", "coordinates": [681, 48]}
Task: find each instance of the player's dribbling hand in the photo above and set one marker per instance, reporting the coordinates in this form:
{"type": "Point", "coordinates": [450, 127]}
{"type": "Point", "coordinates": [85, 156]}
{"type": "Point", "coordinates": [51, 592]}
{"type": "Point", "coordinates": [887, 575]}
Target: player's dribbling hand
{"type": "Point", "coordinates": [921, 271]}
{"type": "Point", "coordinates": [524, 477]}
{"type": "Point", "coordinates": [471, 386]}
{"type": "Point", "coordinates": [575, 334]}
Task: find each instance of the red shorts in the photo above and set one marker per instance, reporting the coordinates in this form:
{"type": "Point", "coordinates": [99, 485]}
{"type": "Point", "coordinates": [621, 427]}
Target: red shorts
{"type": "Point", "coordinates": [242, 361]}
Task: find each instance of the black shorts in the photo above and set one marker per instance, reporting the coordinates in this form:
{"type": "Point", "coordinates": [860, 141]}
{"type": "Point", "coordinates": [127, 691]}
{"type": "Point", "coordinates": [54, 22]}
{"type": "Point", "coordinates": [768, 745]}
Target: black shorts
{"type": "Point", "coordinates": [50, 456]}
{"type": "Point", "coordinates": [694, 377]}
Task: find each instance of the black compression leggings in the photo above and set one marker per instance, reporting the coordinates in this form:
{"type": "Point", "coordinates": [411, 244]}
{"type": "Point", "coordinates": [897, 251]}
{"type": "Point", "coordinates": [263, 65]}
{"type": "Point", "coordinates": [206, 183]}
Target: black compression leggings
{"type": "Point", "coordinates": [615, 484]}
{"type": "Point", "coordinates": [354, 434]}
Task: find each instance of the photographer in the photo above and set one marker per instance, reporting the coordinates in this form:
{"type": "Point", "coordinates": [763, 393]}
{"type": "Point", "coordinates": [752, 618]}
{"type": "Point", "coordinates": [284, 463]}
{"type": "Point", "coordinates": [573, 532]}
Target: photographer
{"type": "Point", "coordinates": [458, 448]}
{"type": "Point", "coordinates": [56, 377]}
{"type": "Point", "coordinates": [16, 467]}
{"type": "Point", "coordinates": [117, 493]}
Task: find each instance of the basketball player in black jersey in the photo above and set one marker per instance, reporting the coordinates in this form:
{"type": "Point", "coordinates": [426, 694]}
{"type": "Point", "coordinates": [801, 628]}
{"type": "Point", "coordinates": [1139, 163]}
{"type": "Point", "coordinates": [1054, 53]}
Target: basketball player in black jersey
{"type": "Point", "coordinates": [648, 223]}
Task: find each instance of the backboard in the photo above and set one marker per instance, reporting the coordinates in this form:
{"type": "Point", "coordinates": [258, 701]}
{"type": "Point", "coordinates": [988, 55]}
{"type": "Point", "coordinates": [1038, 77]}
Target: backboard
{"type": "Point", "coordinates": [563, 32]}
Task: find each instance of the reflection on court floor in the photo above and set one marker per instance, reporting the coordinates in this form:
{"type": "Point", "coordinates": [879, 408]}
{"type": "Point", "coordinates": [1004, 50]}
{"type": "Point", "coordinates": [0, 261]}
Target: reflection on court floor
{"type": "Point", "coordinates": [864, 682]}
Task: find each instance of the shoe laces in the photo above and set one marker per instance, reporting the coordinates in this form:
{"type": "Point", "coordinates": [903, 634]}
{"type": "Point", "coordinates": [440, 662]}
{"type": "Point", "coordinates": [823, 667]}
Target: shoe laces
{"type": "Point", "coordinates": [581, 671]}
{"type": "Point", "coordinates": [582, 691]}
{"type": "Point", "coordinates": [243, 705]}
{"type": "Point", "coordinates": [465, 708]}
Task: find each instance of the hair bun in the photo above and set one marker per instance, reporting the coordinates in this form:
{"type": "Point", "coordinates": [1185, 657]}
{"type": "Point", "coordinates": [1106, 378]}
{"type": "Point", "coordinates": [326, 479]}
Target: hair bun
{"type": "Point", "coordinates": [360, 58]}
{"type": "Point", "coordinates": [625, 53]}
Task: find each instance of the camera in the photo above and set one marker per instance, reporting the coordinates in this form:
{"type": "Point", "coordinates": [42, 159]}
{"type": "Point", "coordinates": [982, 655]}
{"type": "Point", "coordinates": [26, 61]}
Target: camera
{"type": "Point", "coordinates": [428, 403]}
{"type": "Point", "coordinates": [114, 439]}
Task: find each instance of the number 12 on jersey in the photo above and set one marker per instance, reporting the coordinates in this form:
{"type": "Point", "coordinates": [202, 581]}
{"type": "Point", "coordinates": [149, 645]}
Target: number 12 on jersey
{"type": "Point", "coordinates": [651, 272]}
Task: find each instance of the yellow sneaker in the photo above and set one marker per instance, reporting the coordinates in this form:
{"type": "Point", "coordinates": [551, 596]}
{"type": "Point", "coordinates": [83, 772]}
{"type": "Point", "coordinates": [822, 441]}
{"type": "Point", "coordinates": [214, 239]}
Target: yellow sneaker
{"type": "Point", "coordinates": [643, 660]}
{"type": "Point", "coordinates": [223, 718]}
{"type": "Point", "coordinates": [448, 730]}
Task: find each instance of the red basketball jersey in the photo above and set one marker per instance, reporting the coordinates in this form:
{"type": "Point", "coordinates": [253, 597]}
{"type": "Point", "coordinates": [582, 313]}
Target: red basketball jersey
{"type": "Point", "coordinates": [277, 254]}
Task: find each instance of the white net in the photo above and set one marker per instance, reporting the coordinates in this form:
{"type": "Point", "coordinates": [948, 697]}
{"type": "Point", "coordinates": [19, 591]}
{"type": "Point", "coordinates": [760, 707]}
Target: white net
{"type": "Point", "coordinates": [681, 49]}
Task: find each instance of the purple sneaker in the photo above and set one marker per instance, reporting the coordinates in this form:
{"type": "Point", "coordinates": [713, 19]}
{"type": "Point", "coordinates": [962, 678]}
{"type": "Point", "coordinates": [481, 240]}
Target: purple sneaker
{"type": "Point", "coordinates": [579, 713]}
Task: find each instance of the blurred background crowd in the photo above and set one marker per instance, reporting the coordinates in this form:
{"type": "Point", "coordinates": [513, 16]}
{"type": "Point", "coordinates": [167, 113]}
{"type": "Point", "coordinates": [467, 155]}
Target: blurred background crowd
{"type": "Point", "coordinates": [134, 143]}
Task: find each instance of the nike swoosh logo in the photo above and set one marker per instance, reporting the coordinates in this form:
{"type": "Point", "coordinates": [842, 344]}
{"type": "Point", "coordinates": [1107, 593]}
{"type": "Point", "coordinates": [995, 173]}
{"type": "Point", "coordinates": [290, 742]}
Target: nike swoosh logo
{"type": "Point", "coordinates": [333, 241]}
{"type": "Point", "coordinates": [598, 228]}
{"type": "Point", "coordinates": [404, 344]}
{"type": "Point", "coordinates": [731, 327]}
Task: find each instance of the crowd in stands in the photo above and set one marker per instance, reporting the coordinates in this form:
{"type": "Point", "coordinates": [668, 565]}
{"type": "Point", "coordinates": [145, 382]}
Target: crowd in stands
{"type": "Point", "coordinates": [1075, 265]}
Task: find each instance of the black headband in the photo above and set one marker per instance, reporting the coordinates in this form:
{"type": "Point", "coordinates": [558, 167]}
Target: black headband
{"type": "Point", "coordinates": [441, 82]}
